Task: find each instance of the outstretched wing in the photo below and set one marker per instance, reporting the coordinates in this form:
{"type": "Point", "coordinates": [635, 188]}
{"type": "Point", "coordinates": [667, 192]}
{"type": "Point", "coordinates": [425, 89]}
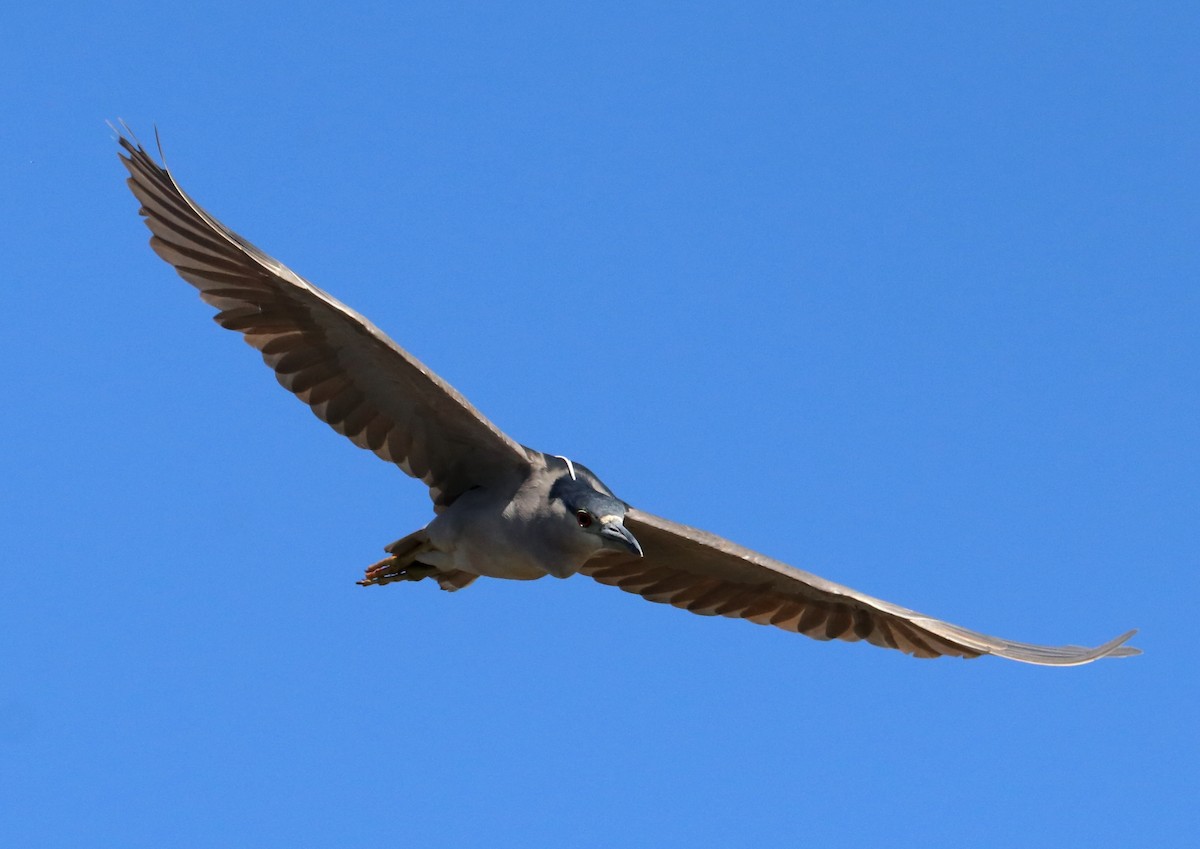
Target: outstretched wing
{"type": "Point", "coordinates": [703, 573]}
{"type": "Point", "coordinates": [352, 375]}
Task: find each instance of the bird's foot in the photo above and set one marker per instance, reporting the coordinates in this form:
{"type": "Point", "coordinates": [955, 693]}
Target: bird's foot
{"type": "Point", "coordinates": [395, 569]}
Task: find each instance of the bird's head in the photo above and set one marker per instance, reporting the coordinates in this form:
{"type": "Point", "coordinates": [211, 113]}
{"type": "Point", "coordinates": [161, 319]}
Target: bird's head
{"type": "Point", "coordinates": [594, 511]}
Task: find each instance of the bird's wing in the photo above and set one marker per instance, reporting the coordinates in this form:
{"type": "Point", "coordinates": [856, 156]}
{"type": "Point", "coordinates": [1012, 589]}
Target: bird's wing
{"type": "Point", "coordinates": [703, 573]}
{"type": "Point", "coordinates": [352, 375]}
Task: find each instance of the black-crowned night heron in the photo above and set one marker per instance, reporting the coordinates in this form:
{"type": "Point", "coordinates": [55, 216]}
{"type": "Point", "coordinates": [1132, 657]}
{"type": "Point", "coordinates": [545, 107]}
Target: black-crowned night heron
{"type": "Point", "coordinates": [504, 510]}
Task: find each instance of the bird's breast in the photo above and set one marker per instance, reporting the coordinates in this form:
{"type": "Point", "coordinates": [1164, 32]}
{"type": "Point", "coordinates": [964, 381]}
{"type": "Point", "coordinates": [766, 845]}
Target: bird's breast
{"type": "Point", "coordinates": [483, 537]}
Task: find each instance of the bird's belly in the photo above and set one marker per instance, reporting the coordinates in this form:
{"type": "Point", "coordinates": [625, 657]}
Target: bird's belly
{"type": "Point", "coordinates": [487, 551]}
{"type": "Point", "coordinates": [476, 537]}
{"type": "Point", "coordinates": [490, 567]}
{"type": "Point", "coordinates": [491, 558]}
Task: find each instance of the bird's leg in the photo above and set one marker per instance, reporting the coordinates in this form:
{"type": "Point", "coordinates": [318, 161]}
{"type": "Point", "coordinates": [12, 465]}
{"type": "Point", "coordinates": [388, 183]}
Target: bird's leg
{"type": "Point", "coordinates": [395, 569]}
{"type": "Point", "coordinates": [402, 563]}
{"type": "Point", "coordinates": [454, 580]}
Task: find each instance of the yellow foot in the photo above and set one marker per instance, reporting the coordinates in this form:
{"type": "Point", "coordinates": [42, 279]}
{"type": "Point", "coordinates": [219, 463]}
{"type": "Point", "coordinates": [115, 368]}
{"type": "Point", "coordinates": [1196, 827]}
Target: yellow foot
{"type": "Point", "coordinates": [395, 569]}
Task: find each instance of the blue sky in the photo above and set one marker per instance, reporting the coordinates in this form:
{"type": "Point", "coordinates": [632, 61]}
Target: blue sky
{"type": "Point", "coordinates": [904, 296]}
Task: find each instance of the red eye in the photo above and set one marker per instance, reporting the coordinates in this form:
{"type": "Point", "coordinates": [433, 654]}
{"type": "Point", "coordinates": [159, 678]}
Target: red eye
{"type": "Point", "coordinates": [584, 517]}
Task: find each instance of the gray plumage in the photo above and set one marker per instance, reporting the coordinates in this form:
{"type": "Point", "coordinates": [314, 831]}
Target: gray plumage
{"type": "Point", "coordinates": [504, 510]}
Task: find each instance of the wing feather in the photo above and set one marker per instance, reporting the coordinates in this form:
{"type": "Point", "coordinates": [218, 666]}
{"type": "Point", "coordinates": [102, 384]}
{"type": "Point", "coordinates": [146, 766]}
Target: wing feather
{"type": "Point", "coordinates": [706, 574]}
{"type": "Point", "coordinates": [350, 374]}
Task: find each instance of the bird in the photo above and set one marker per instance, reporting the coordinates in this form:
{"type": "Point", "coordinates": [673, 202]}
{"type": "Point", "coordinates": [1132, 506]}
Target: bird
{"type": "Point", "coordinates": [502, 510]}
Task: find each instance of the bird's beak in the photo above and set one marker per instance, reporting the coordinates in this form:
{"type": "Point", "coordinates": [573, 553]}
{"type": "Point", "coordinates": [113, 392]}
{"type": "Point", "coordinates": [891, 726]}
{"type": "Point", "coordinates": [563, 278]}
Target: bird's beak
{"type": "Point", "coordinates": [616, 535]}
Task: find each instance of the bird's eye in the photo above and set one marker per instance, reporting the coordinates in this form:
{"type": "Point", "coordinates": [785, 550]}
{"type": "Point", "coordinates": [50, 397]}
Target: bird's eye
{"type": "Point", "coordinates": [584, 518]}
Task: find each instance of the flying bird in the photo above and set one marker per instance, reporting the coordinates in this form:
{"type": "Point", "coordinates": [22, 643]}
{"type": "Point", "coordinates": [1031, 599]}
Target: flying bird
{"type": "Point", "coordinates": [502, 510]}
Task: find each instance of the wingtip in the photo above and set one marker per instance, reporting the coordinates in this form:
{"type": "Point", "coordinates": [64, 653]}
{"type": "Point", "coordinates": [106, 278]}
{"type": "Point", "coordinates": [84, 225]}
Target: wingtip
{"type": "Point", "coordinates": [133, 145]}
{"type": "Point", "coordinates": [1117, 648]}
{"type": "Point", "coordinates": [1039, 655]}
{"type": "Point", "coordinates": [125, 135]}
{"type": "Point", "coordinates": [1113, 648]}
{"type": "Point", "coordinates": [162, 154]}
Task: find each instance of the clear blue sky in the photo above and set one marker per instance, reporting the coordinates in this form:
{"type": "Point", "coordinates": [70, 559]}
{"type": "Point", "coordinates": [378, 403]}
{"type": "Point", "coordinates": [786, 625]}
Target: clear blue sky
{"type": "Point", "coordinates": [905, 297]}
